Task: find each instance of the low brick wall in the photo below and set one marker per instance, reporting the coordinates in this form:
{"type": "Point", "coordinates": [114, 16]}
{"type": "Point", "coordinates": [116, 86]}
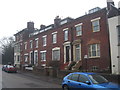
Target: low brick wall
{"type": "Point", "coordinates": [112, 78]}
{"type": "Point", "coordinates": [63, 73]}
{"type": "Point", "coordinates": [39, 71]}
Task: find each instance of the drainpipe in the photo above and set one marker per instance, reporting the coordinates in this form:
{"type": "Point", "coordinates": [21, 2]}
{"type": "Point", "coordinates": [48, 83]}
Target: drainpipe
{"type": "Point", "coordinates": [107, 24]}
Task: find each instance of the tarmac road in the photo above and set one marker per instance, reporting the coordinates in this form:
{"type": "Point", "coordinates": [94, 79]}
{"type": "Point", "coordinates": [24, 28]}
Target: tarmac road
{"type": "Point", "coordinates": [17, 80]}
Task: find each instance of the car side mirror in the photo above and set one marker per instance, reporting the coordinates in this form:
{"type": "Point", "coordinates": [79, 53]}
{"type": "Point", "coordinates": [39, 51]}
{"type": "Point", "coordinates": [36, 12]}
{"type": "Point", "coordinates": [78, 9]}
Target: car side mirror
{"type": "Point", "coordinates": [88, 82]}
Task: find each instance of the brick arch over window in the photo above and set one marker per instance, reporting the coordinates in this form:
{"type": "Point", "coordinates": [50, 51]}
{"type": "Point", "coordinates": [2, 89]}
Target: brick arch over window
{"type": "Point", "coordinates": [93, 41]}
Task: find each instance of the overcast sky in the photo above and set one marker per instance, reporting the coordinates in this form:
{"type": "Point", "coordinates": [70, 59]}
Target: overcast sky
{"type": "Point", "coordinates": [14, 14]}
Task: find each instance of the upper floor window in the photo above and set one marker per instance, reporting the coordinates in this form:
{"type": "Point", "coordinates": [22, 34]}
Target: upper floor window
{"type": "Point", "coordinates": [31, 44]}
{"type": "Point", "coordinates": [25, 44]}
{"type": "Point", "coordinates": [95, 25]}
{"type": "Point", "coordinates": [94, 50]}
{"type": "Point", "coordinates": [44, 39]}
{"type": "Point", "coordinates": [78, 28]}
{"type": "Point", "coordinates": [54, 37]}
{"type": "Point", "coordinates": [43, 55]}
{"type": "Point", "coordinates": [118, 33]}
{"type": "Point", "coordinates": [65, 34]}
{"type": "Point", "coordinates": [36, 42]}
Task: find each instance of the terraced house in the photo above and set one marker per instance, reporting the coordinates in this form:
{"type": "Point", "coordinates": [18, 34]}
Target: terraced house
{"type": "Point", "coordinates": [76, 44]}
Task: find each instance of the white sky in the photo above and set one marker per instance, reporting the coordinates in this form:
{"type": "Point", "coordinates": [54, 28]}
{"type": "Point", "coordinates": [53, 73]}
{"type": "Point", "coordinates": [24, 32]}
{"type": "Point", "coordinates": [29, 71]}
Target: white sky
{"type": "Point", "coordinates": [14, 14]}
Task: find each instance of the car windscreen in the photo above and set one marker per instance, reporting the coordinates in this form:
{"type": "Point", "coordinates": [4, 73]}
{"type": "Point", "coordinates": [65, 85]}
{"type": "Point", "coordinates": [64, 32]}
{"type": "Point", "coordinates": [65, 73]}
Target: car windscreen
{"type": "Point", "coordinates": [97, 79]}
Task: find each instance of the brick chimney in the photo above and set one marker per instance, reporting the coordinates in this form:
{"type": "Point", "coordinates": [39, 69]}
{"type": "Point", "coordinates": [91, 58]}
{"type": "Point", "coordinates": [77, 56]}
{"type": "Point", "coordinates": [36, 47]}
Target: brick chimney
{"type": "Point", "coordinates": [109, 3]}
{"type": "Point", "coordinates": [30, 25]}
{"type": "Point", "coordinates": [57, 21]}
{"type": "Point", "coordinates": [42, 26]}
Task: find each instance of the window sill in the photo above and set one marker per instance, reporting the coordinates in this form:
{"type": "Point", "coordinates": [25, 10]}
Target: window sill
{"type": "Point", "coordinates": [43, 60]}
{"type": "Point", "coordinates": [78, 35]}
{"type": "Point", "coordinates": [96, 31]}
{"type": "Point", "coordinates": [94, 57]}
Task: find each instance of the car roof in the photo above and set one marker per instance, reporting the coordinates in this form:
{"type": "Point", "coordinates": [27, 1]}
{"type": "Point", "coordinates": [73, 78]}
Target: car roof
{"type": "Point", "coordinates": [85, 73]}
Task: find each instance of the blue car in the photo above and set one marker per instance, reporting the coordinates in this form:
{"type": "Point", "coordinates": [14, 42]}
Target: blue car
{"type": "Point", "coordinates": [84, 80]}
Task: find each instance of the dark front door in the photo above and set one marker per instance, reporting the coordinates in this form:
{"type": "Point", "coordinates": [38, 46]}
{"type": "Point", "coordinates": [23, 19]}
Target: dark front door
{"type": "Point", "coordinates": [67, 53]}
{"type": "Point", "coordinates": [32, 58]}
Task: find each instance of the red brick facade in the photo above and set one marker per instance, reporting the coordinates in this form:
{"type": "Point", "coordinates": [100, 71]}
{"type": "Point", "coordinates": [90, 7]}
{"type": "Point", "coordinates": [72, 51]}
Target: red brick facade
{"type": "Point", "coordinates": [87, 38]}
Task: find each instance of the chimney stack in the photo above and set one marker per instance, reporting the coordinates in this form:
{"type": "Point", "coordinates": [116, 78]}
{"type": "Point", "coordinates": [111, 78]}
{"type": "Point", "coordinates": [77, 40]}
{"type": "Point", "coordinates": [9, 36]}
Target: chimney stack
{"type": "Point", "coordinates": [57, 21]}
{"type": "Point", "coordinates": [109, 3]}
{"type": "Point", "coordinates": [30, 25]}
{"type": "Point", "coordinates": [42, 26]}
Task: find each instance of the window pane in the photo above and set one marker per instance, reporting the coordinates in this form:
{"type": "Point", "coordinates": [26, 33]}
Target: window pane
{"type": "Point", "coordinates": [78, 30]}
{"type": "Point", "coordinates": [83, 78]}
{"type": "Point", "coordinates": [75, 77]}
{"type": "Point", "coordinates": [77, 53]}
{"type": "Point", "coordinates": [54, 37]}
{"type": "Point", "coordinates": [44, 41]}
{"type": "Point", "coordinates": [95, 25]}
{"type": "Point", "coordinates": [56, 55]}
{"type": "Point", "coordinates": [66, 35]}
{"type": "Point", "coordinates": [36, 57]}
{"type": "Point", "coordinates": [43, 56]}
{"type": "Point", "coordinates": [94, 50]}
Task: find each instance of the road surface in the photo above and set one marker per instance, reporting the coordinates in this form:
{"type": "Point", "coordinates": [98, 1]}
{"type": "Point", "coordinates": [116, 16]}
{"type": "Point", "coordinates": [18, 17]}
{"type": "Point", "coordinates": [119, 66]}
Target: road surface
{"type": "Point", "coordinates": [17, 80]}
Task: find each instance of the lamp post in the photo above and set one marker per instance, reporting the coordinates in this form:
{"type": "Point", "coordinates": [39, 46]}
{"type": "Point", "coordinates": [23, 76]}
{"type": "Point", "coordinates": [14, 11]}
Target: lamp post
{"type": "Point", "coordinates": [86, 58]}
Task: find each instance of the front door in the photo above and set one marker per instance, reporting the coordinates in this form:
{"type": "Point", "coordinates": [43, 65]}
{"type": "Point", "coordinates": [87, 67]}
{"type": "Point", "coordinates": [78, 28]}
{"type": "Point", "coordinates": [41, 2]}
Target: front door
{"type": "Point", "coordinates": [67, 53]}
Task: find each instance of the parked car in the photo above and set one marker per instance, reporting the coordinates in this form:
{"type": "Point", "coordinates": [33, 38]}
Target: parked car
{"type": "Point", "coordinates": [87, 80]}
{"type": "Point", "coordinates": [3, 67]}
{"type": "Point", "coordinates": [10, 68]}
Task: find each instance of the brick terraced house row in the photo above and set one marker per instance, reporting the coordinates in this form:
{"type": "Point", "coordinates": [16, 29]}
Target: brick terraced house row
{"type": "Point", "coordinates": [76, 44]}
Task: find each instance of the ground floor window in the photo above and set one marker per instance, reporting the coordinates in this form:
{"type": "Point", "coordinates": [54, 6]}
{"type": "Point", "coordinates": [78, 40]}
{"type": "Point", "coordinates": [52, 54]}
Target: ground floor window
{"type": "Point", "coordinates": [26, 58]}
{"type": "Point", "coordinates": [31, 58]}
{"type": "Point", "coordinates": [35, 57]}
{"type": "Point", "coordinates": [43, 55]}
{"type": "Point", "coordinates": [77, 52]}
{"type": "Point", "coordinates": [56, 54]}
{"type": "Point", "coordinates": [94, 50]}
{"type": "Point", "coordinates": [94, 68]}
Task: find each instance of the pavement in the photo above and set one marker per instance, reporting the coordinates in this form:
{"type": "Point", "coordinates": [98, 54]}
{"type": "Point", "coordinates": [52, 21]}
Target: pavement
{"type": "Point", "coordinates": [41, 77]}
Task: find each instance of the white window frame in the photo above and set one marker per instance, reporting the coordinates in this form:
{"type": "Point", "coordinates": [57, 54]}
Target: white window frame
{"type": "Point", "coordinates": [25, 45]}
{"type": "Point", "coordinates": [30, 57]}
{"type": "Point", "coordinates": [54, 49]}
{"type": "Point", "coordinates": [26, 54]}
{"type": "Point", "coordinates": [79, 51]}
{"type": "Point", "coordinates": [54, 38]}
{"type": "Point", "coordinates": [78, 25]}
{"type": "Point", "coordinates": [93, 20]}
{"type": "Point", "coordinates": [36, 42]}
{"type": "Point", "coordinates": [36, 63]}
{"type": "Point", "coordinates": [97, 48]}
{"type": "Point", "coordinates": [44, 40]}
{"type": "Point", "coordinates": [41, 52]}
{"type": "Point", "coordinates": [31, 44]}
{"type": "Point", "coordinates": [66, 35]}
